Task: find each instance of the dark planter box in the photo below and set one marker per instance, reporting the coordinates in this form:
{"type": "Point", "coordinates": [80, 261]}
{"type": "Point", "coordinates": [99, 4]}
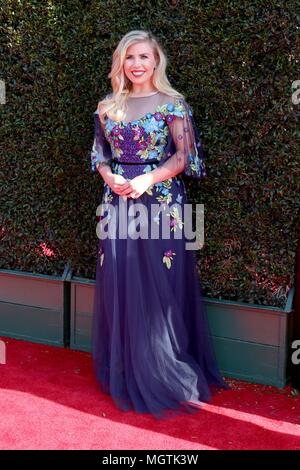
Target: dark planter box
{"type": "Point", "coordinates": [251, 341]}
{"type": "Point", "coordinates": [35, 307]}
{"type": "Point", "coordinates": [81, 311]}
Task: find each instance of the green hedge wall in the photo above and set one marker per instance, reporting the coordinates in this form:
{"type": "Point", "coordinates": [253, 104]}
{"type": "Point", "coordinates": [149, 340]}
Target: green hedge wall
{"type": "Point", "coordinates": [235, 62]}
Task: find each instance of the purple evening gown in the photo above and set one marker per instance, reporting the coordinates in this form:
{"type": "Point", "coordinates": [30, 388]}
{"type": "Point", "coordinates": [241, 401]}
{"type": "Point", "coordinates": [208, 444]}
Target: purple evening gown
{"type": "Point", "coordinates": [151, 345]}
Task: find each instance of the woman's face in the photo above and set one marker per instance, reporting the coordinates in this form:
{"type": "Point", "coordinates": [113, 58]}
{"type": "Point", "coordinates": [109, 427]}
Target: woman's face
{"type": "Point", "coordinates": [139, 63]}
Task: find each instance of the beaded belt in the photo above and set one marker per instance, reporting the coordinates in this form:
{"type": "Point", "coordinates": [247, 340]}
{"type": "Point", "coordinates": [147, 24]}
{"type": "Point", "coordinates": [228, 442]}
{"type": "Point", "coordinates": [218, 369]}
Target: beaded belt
{"type": "Point", "coordinates": [153, 160]}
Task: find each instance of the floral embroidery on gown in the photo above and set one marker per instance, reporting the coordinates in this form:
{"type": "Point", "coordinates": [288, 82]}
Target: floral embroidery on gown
{"type": "Point", "coordinates": [151, 347]}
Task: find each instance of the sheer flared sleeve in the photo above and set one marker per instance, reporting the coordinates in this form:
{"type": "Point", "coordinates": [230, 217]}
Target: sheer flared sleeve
{"type": "Point", "coordinates": [184, 150]}
{"type": "Point", "coordinates": [101, 150]}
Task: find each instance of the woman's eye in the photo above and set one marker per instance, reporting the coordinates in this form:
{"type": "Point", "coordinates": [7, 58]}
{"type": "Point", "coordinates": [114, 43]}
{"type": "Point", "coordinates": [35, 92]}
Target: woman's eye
{"type": "Point", "coordinates": [143, 56]}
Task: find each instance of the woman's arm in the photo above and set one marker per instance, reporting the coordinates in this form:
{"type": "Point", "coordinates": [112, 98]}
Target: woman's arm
{"type": "Point", "coordinates": [168, 169]}
{"type": "Point", "coordinates": [105, 171]}
{"type": "Point", "coordinates": [184, 149]}
{"type": "Point", "coordinates": [101, 158]}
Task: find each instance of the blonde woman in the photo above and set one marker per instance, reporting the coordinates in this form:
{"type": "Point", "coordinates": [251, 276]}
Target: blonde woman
{"type": "Point", "coordinates": [151, 348]}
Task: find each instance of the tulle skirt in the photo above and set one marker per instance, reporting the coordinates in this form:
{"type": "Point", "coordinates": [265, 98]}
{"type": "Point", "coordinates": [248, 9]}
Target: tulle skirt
{"type": "Point", "coordinates": [151, 345]}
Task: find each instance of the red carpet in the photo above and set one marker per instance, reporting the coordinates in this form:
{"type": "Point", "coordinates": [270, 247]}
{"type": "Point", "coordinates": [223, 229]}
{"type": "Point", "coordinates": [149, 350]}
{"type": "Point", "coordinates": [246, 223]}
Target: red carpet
{"type": "Point", "coordinates": [49, 400]}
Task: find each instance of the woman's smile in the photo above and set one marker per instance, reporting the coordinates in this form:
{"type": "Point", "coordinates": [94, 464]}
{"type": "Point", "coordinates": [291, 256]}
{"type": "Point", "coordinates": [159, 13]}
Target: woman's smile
{"type": "Point", "coordinates": [137, 73]}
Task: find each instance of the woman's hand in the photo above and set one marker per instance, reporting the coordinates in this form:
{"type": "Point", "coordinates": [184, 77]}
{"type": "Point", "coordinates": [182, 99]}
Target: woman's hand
{"type": "Point", "coordinates": [118, 184]}
{"type": "Point", "coordinates": [135, 187]}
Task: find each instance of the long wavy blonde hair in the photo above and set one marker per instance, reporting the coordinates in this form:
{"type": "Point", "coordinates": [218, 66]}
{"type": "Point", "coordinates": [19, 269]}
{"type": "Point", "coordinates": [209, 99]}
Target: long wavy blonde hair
{"type": "Point", "coordinates": [115, 104]}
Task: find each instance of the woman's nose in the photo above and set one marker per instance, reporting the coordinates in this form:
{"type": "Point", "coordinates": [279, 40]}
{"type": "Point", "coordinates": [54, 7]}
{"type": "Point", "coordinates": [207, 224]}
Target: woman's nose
{"type": "Point", "coordinates": [136, 63]}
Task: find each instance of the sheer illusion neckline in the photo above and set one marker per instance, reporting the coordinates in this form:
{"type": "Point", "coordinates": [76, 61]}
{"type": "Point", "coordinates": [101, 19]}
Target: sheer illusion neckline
{"type": "Point", "coordinates": [126, 123]}
{"type": "Point", "coordinates": [145, 96]}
